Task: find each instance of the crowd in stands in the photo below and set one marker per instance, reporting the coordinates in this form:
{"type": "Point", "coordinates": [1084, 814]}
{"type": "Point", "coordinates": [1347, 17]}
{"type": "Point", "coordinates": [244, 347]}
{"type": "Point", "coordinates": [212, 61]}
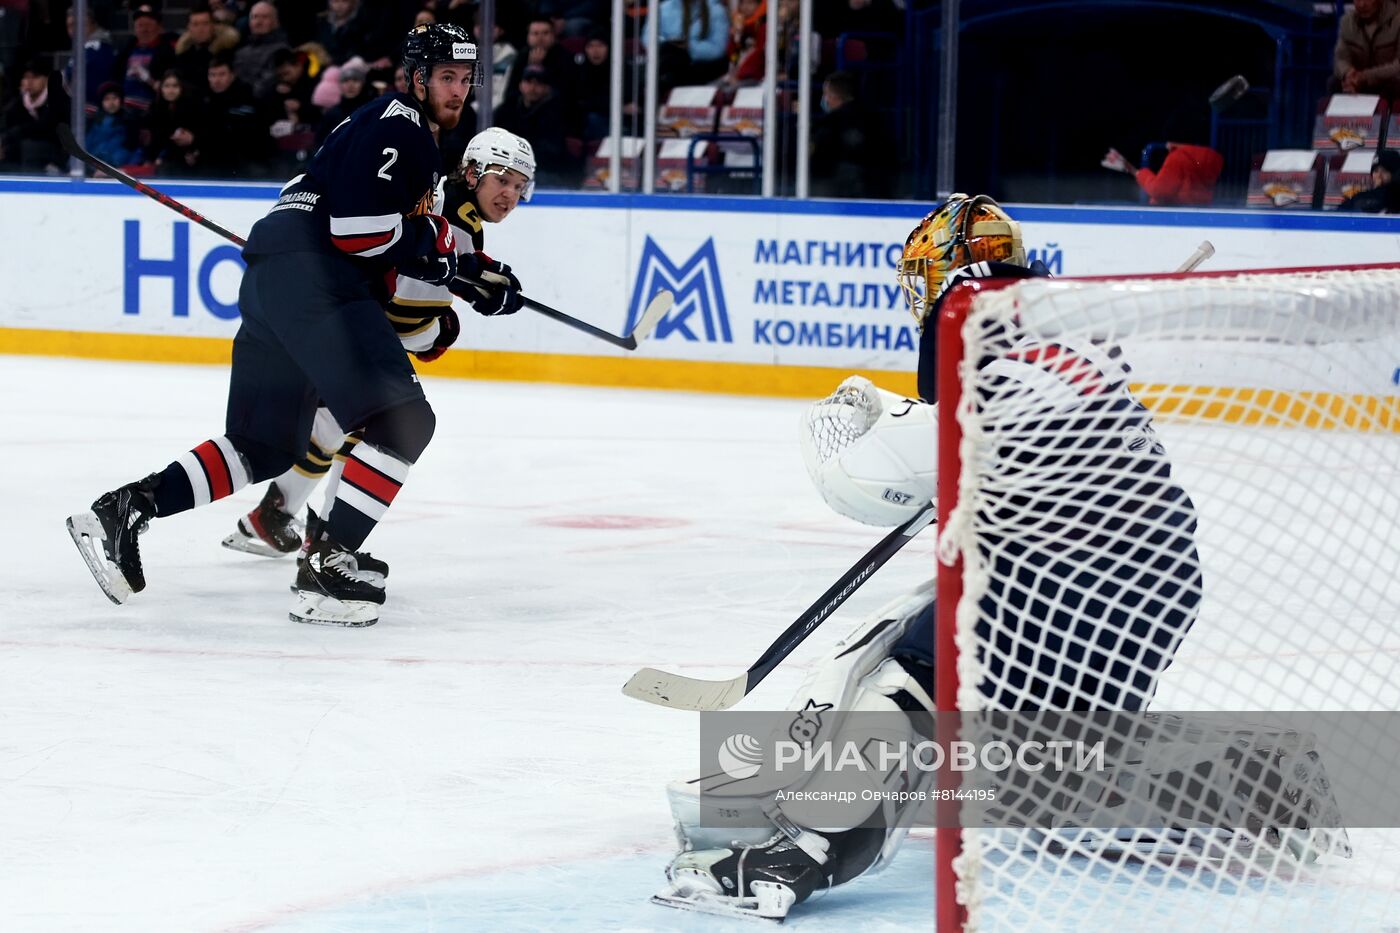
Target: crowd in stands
{"type": "Point", "coordinates": [248, 89]}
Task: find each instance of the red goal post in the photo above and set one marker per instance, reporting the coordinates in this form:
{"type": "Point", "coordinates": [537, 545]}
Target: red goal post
{"type": "Point", "coordinates": [1280, 372]}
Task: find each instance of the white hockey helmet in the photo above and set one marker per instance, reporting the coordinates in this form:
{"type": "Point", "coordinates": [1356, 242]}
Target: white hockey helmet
{"type": "Point", "coordinates": [872, 454]}
{"type": "Point", "coordinates": [493, 151]}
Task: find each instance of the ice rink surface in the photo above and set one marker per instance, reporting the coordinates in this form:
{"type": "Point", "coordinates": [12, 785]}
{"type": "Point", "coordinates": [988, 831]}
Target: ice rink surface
{"type": "Point", "coordinates": [193, 761]}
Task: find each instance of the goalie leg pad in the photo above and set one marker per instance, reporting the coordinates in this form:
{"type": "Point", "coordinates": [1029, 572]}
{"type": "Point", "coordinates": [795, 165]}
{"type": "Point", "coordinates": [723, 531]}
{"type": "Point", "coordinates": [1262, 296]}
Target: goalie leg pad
{"type": "Point", "coordinates": [727, 832]}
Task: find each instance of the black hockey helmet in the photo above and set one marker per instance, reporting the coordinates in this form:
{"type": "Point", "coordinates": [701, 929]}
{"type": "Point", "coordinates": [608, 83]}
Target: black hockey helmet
{"type": "Point", "coordinates": [438, 44]}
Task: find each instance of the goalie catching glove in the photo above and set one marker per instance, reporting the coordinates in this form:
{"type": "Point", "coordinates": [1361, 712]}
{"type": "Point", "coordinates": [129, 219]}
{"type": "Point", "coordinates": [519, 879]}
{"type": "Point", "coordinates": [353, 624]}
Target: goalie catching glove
{"type": "Point", "coordinates": [872, 455]}
{"type": "Point", "coordinates": [488, 286]}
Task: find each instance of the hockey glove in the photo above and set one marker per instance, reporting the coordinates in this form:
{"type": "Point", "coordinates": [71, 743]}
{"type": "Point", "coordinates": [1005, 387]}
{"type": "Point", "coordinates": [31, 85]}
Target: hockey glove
{"type": "Point", "coordinates": [436, 262]}
{"type": "Point", "coordinates": [449, 329]}
{"type": "Point", "coordinates": [492, 288]}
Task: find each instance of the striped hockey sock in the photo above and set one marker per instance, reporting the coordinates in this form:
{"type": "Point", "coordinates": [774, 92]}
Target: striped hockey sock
{"type": "Point", "coordinates": [368, 484]}
{"type": "Point", "coordinates": [209, 472]}
{"type": "Point", "coordinates": [297, 483]}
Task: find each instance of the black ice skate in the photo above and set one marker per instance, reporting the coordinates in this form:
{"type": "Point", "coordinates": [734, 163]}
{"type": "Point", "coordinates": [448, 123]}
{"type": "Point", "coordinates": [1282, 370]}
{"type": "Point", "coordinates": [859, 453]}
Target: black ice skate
{"type": "Point", "coordinates": [370, 568]}
{"type": "Point", "coordinates": [106, 537]}
{"type": "Point", "coordinates": [269, 530]}
{"type": "Point", "coordinates": [331, 590]}
{"type": "Point", "coordinates": [756, 883]}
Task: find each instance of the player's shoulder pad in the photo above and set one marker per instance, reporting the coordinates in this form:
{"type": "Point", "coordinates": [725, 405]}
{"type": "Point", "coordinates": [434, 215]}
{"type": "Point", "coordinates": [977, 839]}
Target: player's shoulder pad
{"type": "Point", "coordinates": [994, 270]}
{"type": "Point", "coordinates": [396, 118]}
{"type": "Point", "coordinates": [459, 207]}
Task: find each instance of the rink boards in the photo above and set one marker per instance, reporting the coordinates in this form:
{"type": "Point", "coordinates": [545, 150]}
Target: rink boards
{"type": "Point", "coordinates": [773, 297]}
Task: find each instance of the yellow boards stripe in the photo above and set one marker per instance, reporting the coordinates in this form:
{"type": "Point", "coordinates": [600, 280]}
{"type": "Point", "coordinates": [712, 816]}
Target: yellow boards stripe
{"type": "Point", "coordinates": [1265, 407]}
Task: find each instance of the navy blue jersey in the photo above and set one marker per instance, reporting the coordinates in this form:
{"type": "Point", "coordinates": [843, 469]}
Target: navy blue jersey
{"type": "Point", "coordinates": [376, 169]}
{"type": "Point", "coordinates": [1091, 541]}
{"type": "Point", "coordinates": [928, 340]}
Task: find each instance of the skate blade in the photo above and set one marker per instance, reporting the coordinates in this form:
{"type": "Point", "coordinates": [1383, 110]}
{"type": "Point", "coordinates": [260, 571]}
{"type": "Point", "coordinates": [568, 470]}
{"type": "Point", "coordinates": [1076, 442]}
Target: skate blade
{"type": "Point", "coordinates": [717, 905]}
{"type": "Point", "coordinates": [319, 609]}
{"type": "Point", "coordinates": [86, 532]}
{"type": "Point", "coordinates": [238, 541]}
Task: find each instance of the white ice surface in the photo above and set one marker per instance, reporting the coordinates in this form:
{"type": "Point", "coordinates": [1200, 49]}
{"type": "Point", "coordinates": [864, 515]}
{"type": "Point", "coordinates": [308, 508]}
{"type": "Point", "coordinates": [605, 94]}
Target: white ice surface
{"type": "Point", "coordinates": [195, 761]}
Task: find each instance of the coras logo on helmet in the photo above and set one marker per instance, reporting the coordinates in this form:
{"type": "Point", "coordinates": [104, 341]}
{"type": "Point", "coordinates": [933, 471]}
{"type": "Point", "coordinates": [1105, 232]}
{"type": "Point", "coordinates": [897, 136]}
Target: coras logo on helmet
{"type": "Point", "coordinates": [438, 44]}
{"type": "Point", "coordinates": [495, 151]}
{"type": "Point", "coordinates": [960, 231]}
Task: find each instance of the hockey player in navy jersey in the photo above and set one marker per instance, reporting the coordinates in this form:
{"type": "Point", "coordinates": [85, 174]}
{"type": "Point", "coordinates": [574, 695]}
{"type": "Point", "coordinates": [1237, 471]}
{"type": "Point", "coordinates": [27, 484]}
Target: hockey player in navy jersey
{"type": "Point", "coordinates": [885, 442]}
{"type": "Point", "coordinates": [313, 328]}
{"type": "Point", "coordinates": [497, 172]}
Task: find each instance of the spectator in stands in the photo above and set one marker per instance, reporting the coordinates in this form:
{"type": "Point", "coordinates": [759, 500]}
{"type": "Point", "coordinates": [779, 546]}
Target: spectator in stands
{"type": "Point", "coordinates": [149, 55]}
{"type": "Point", "coordinates": [849, 154]}
{"type": "Point", "coordinates": [541, 51]}
{"type": "Point", "coordinates": [111, 135]}
{"type": "Point", "coordinates": [253, 59]}
{"type": "Point", "coordinates": [537, 113]}
{"type": "Point", "coordinates": [400, 84]}
{"type": "Point", "coordinates": [202, 39]}
{"type": "Point", "coordinates": [355, 92]}
{"type": "Point", "coordinates": [341, 29]}
{"type": "Point", "coordinates": [694, 35]}
{"type": "Point", "coordinates": [1186, 177]}
{"type": "Point", "coordinates": [573, 17]}
{"type": "Point", "coordinates": [1367, 58]}
{"type": "Point", "coordinates": [227, 12]}
{"type": "Point", "coordinates": [747, 36]}
{"type": "Point", "coordinates": [592, 88]}
{"type": "Point", "coordinates": [503, 56]}
{"type": "Point", "coordinates": [289, 112]}
{"type": "Point", "coordinates": [235, 139]}
{"type": "Point", "coordinates": [170, 127]}
{"type": "Point", "coordinates": [100, 59]}
{"type": "Point", "coordinates": [748, 55]}
{"type": "Point", "coordinates": [28, 139]}
{"type": "Point", "coordinates": [1383, 197]}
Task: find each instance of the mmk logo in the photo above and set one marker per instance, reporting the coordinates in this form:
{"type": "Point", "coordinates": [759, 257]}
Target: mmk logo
{"type": "Point", "coordinates": [699, 294]}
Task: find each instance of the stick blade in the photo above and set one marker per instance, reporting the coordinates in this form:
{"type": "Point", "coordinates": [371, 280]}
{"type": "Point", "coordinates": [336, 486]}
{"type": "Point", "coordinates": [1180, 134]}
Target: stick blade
{"type": "Point", "coordinates": [678, 692]}
{"type": "Point", "coordinates": [655, 311]}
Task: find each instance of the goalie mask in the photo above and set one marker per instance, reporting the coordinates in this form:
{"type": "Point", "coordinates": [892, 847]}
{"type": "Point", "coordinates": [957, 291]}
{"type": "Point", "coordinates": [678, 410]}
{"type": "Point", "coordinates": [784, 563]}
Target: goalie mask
{"type": "Point", "coordinates": [960, 231]}
{"type": "Point", "coordinates": [495, 151]}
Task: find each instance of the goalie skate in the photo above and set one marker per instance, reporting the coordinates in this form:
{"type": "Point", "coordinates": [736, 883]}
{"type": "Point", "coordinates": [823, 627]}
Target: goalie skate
{"type": "Point", "coordinates": [268, 530]}
{"type": "Point", "coordinates": [331, 591]}
{"type": "Point", "coordinates": [770, 901]}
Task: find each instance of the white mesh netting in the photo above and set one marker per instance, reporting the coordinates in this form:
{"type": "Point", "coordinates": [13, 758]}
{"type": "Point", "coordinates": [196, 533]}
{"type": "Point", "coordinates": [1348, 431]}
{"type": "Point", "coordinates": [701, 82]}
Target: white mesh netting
{"type": "Point", "coordinates": [1231, 544]}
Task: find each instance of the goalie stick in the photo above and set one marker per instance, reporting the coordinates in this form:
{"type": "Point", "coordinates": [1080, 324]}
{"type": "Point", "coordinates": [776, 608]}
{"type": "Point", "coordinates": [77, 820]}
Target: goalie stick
{"type": "Point", "coordinates": [660, 303]}
{"type": "Point", "coordinates": [1202, 253]}
{"type": "Point", "coordinates": [680, 692]}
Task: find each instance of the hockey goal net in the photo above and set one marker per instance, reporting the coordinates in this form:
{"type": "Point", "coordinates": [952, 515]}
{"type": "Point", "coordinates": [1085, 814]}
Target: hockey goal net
{"type": "Point", "coordinates": [1229, 548]}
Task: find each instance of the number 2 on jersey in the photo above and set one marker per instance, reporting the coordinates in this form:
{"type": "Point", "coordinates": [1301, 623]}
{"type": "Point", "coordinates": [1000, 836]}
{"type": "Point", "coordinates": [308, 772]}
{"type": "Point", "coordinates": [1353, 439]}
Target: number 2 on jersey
{"type": "Point", "coordinates": [393, 155]}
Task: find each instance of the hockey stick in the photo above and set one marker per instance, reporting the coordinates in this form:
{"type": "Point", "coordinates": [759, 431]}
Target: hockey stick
{"type": "Point", "coordinates": [70, 143]}
{"type": "Point", "coordinates": [656, 310]}
{"type": "Point", "coordinates": [680, 692]}
{"type": "Point", "coordinates": [660, 303]}
{"type": "Point", "coordinates": [1202, 253]}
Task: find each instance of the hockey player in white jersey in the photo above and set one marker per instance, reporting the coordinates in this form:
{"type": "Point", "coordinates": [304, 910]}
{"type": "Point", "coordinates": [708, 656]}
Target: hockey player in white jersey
{"type": "Point", "coordinates": [872, 455]}
{"type": "Point", "coordinates": [497, 172]}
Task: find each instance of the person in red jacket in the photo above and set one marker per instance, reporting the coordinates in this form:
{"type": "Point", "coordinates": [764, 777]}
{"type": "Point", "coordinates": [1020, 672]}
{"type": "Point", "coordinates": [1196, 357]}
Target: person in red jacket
{"type": "Point", "coordinates": [1186, 179]}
